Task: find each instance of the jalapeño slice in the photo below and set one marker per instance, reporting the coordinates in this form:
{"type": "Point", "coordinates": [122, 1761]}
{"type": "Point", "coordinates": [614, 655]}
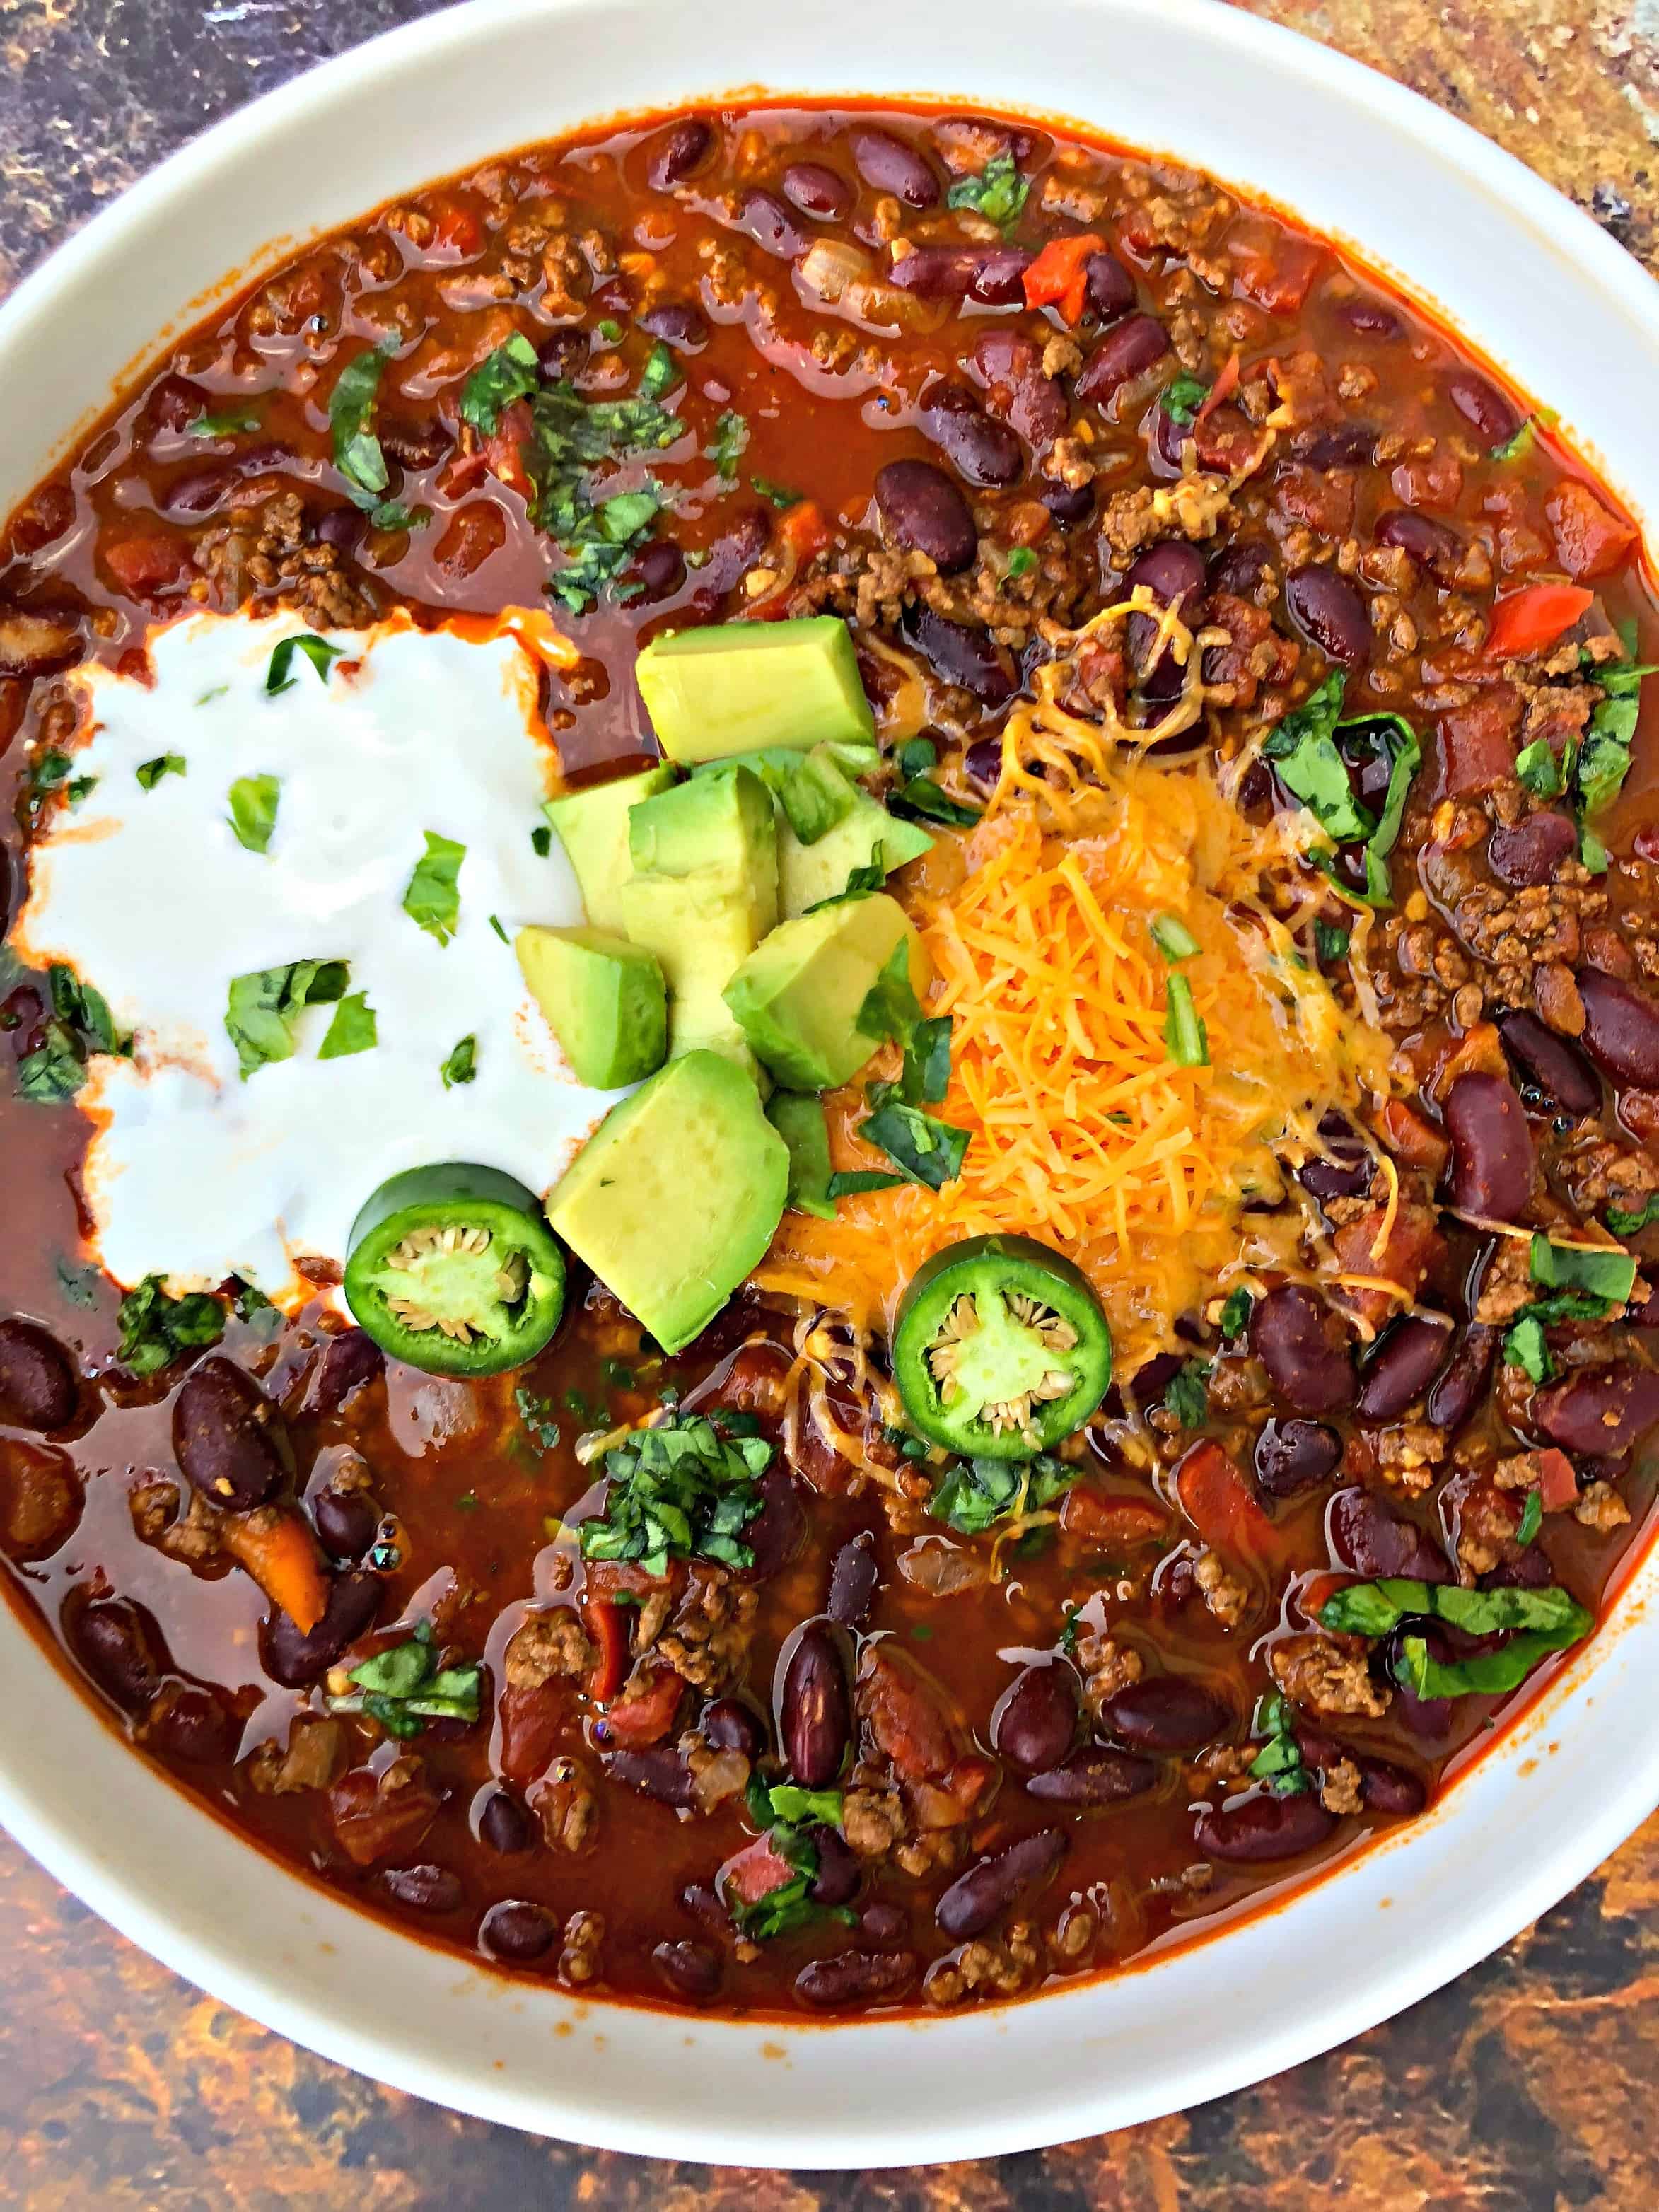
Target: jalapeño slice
{"type": "Point", "coordinates": [1000, 1348]}
{"type": "Point", "coordinates": [454, 1271]}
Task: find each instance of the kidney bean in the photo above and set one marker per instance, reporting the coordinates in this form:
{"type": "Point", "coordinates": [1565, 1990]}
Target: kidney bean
{"type": "Point", "coordinates": [1491, 1166]}
{"type": "Point", "coordinates": [1010, 365]}
{"type": "Point", "coordinates": [1464, 1385]}
{"type": "Point", "coordinates": [1599, 1409]}
{"type": "Point", "coordinates": [1165, 1712]}
{"type": "Point", "coordinates": [297, 1660]}
{"type": "Point", "coordinates": [836, 1882]}
{"type": "Point", "coordinates": [1035, 1723]}
{"type": "Point", "coordinates": [730, 557]}
{"type": "Point", "coordinates": [347, 1521]}
{"type": "Point", "coordinates": [1330, 611]}
{"type": "Point", "coordinates": [1291, 1456]}
{"type": "Point", "coordinates": [1239, 568]}
{"type": "Point", "coordinates": [1533, 850]}
{"type": "Point", "coordinates": [817, 191]}
{"type": "Point", "coordinates": [118, 1644]}
{"type": "Point", "coordinates": [960, 655]}
{"type": "Point", "coordinates": [1550, 1063]}
{"type": "Point", "coordinates": [1433, 545]}
{"type": "Point", "coordinates": [888, 164]}
{"type": "Point", "coordinates": [342, 527]}
{"type": "Point", "coordinates": [983, 762]}
{"type": "Point", "coordinates": [1340, 445]}
{"type": "Point", "coordinates": [1390, 1789]}
{"type": "Point", "coordinates": [853, 1579]}
{"type": "Point", "coordinates": [1407, 1361]}
{"type": "Point", "coordinates": [1371, 318]}
{"type": "Point", "coordinates": [1111, 289]}
{"type": "Point", "coordinates": [1068, 504]}
{"type": "Point", "coordinates": [730, 1725]}
{"type": "Point", "coordinates": [1128, 349]}
{"type": "Point", "coordinates": [424, 1888]}
{"type": "Point", "coordinates": [1480, 401]}
{"type": "Point", "coordinates": [674, 153]}
{"type": "Point", "coordinates": [191, 1722]}
{"type": "Point", "coordinates": [778, 1530]}
{"type": "Point", "coordinates": [982, 450]}
{"type": "Point", "coordinates": [517, 1929]}
{"type": "Point", "coordinates": [1370, 1541]}
{"type": "Point", "coordinates": [1096, 1775]}
{"type": "Point", "coordinates": [660, 1773]}
{"type": "Point", "coordinates": [173, 402]}
{"type": "Point", "coordinates": [992, 275]}
{"type": "Point", "coordinates": [692, 1970]}
{"type": "Point", "coordinates": [855, 1978]}
{"type": "Point", "coordinates": [1429, 1719]}
{"type": "Point", "coordinates": [921, 509]}
{"type": "Point", "coordinates": [974, 1898]}
{"type": "Point", "coordinates": [562, 353]}
{"type": "Point", "coordinates": [227, 1436]}
{"type": "Point", "coordinates": [505, 1826]}
{"type": "Point", "coordinates": [349, 1360]}
{"type": "Point", "coordinates": [1263, 1827]}
{"type": "Point", "coordinates": [1301, 1343]}
{"type": "Point", "coordinates": [658, 568]}
{"type": "Point", "coordinates": [814, 1709]}
{"type": "Point", "coordinates": [765, 219]}
{"type": "Point", "coordinates": [1173, 572]}
{"type": "Point", "coordinates": [1621, 1029]}
{"type": "Point", "coordinates": [200, 490]}
{"type": "Point", "coordinates": [37, 1387]}
{"type": "Point", "coordinates": [1530, 1569]}
{"type": "Point", "coordinates": [678, 323]}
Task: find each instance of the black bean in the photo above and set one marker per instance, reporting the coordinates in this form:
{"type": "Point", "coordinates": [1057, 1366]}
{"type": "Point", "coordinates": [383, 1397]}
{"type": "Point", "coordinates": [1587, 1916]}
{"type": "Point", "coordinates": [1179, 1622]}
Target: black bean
{"type": "Point", "coordinates": [814, 1711]}
{"type": "Point", "coordinates": [660, 1772]}
{"type": "Point", "coordinates": [982, 450]}
{"type": "Point", "coordinates": [1479, 401]}
{"type": "Point", "coordinates": [691, 1970]}
{"type": "Point", "coordinates": [855, 1978]}
{"type": "Point", "coordinates": [1069, 504]}
{"type": "Point", "coordinates": [1550, 1063]}
{"type": "Point", "coordinates": [1621, 1029]}
{"type": "Point", "coordinates": [674, 153]}
{"type": "Point", "coordinates": [1291, 1456]}
{"type": "Point", "coordinates": [1370, 1541]}
{"type": "Point", "coordinates": [1263, 1827]}
{"type": "Point", "coordinates": [1165, 1712]}
{"type": "Point", "coordinates": [227, 1436]}
{"type": "Point", "coordinates": [974, 1898]}
{"type": "Point", "coordinates": [38, 1388]}
{"type": "Point", "coordinates": [1096, 1775]}
{"type": "Point", "coordinates": [1111, 289]}
{"type": "Point", "coordinates": [349, 1360]}
{"type": "Point", "coordinates": [678, 323]}
{"type": "Point", "coordinates": [517, 1929]}
{"type": "Point", "coordinates": [888, 164]}
{"type": "Point", "coordinates": [836, 1882]}
{"type": "Point", "coordinates": [856, 1572]}
{"type": "Point", "coordinates": [1405, 1362]}
{"type": "Point", "coordinates": [191, 1722]}
{"type": "Point", "coordinates": [1342, 446]}
{"type": "Point", "coordinates": [728, 1724]}
{"type": "Point", "coordinates": [1533, 850]}
{"type": "Point", "coordinates": [347, 1521]}
{"type": "Point", "coordinates": [424, 1888]}
{"type": "Point", "coordinates": [658, 569]}
{"type": "Point", "coordinates": [505, 1826]}
{"type": "Point", "coordinates": [1599, 1409]}
{"type": "Point", "coordinates": [1433, 545]}
{"type": "Point", "coordinates": [1464, 1385]}
{"type": "Point", "coordinates": [1330, 611]}
{"type": "Point", "coordinates": [1131, 347]}
{"type": "Point", "coordinates": [817, 191]}
{"type": "Point", "coordinates": [297, 1660]}
{"type": "Point", "coordinates": [345, 528]}
{"type": "Point", "coordinates": [1491, 1172]}
{"type": "Point", "coordinates": [118, 1645]}
{"type": "Point", "coordinates": [1303, 1348]}
{"type": "Point", "coordinates": [969, 658]}
{"type": "Point", "coordinates": [922, 509]}
{"type": "Point", "coordinates": [1035, 1720]}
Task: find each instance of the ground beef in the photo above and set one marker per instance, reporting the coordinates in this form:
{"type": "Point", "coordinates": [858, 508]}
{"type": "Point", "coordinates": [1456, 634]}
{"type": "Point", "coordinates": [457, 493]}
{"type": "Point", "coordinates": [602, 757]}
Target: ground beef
{"type": "Point", "coordinates": [1409, 1453]}
{"type": "Point", "coordinates": [1106, 1667]}
{"type": "Point", "coordinates": [988, 1967]}
{"type": "Point", "coordinates": [1601, 1508]}
{"type": "Point", "coordinates": [1343, 1789]}
{"type": "Point", "coordinates": [263, 553]}
{"type": "Point", "coordinates": [1329, 1674]}
{"type": "Point", "coordinates": [1506, 1285]}
{"type": "Point", "coordinates": [547, 1646]}
{"type": "Point", "coordinates": [310, 1760]}
{"type": "Point", "coordinates": [1194, 506]}
{"type": "Point", "coordinates": [708, 1641]}
{"type": "Point", "coordinates": [1226, 1595]}
{"type": "Point", "coordinates": [179, 1520]}
{"type": "Point", "coordinates": [872, 1820]}
{"type": "Point", "coordinates": [567, 1805]}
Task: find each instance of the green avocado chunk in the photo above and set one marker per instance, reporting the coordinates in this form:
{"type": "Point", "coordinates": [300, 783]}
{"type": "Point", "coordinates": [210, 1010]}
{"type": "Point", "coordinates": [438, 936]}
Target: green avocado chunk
{"type": "Point", "coordinates": [593, 827]}
{"type": "Point", "coordinates": [797, 999]}
{"type": "Point", "coordinates": [677, 1195]}
{"type": "Point", "coordinates": [807, 873]}
{"type": "Point", "coordinates": [605, 998]}
{"type": "Point", "coordinates": [734, 687]}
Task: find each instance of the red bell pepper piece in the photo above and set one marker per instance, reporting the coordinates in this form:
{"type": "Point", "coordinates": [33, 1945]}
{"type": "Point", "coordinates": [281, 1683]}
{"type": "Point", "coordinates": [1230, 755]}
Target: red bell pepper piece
{"type": "Point", "coordinates": [648, 1716]}
{"type": "Point", "coordinates": [1557, 1485]}
{"type": "Point", "coordinates": [609, 1630]}
{"type": "Point", "coordinates": [1110, 1524]}
{"type": "Point", "coordinates": [1060, 275]}
{"type": "Point", "coordinates": [1219, 1502]}
{"type": "Point", "coordinates": [1528, 621]}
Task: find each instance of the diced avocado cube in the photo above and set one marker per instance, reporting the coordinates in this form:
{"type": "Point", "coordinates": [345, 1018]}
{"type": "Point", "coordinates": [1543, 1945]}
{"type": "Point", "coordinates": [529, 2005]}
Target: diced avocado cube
{"type": "Point", "coordinates": [593, 827]}
{"type": "Point", "coordinates": [734, 687]}
{"type": "Point", "coordinates": [855, 758]}
{"type": "Point", "coordinates": [798, 997]}
{"type": "Point", "coordinates": [605, 999]}
{"type": "Point", "coordinates": [702, 931]}
{"type": "Point", "coordinates": [798, 1118]}
{"type": "Point", "coordinates": [677, 1195]}
{"type": "Point", "coordinates": [722, 822]}
{"type": "Point", "coordinates": [807, 873]}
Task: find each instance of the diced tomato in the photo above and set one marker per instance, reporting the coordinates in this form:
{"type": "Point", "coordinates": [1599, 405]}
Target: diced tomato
{"type": "Point", "coordinates": [1479, 1051]}
{"type": "Point", "coordinates": [907, 1716]}
{"type": "Point", "coordinates": [476, 531]}
{"type": "Point", "coordinates": [1058, 277]}
{"type": "Point", "coordinates": [1274, 268]}
{"type": "Point", "coordinates": [754, 1873]}
{"type": "Point", "coordinates": [1110, 1524]}
{"type": "Point", "coordinates": [1529, 621]}
{"type": "Point", "coordinates": [281, 1555]}
{"type": "Point", "coordinates": [1410, 1246]}
{"type": "Point", "coordinates": [148, 563]}
{"type": "Point", "coordinates": [607, 1625]}
{"type": "Point", "coordinates": [531, 1722]}
{"type": "Point", "coordinates": [507, 445]}
{"type": "Point", "coordinates": [648, 1716]}
{"type": "Point", "coordinates": [1589, 539]}
{"type": "Point", "coordinates": [458, 229]}
{"type": "Point", "coordinates": [971, 1781]}
{"type": "Point", "coordinates": [1224, 387]}
{"type": "Point", "coordinates": [1219, 1502]}
{"type": "Point", "coordinates": [1477, 741]}
{"type": "Point", "coordinates": [377, 1816]}
{"type": "Point", "coordinates": [1410, 1138]}
{"type": "Point", "coordinates": [1557, 1485]}
{"type": "Point", "coordinates": [1316, 1591]}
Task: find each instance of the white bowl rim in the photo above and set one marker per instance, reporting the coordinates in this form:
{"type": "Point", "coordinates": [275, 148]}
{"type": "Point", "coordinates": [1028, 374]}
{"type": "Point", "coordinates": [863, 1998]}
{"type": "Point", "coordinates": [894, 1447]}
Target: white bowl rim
{"type": "Point", "coordinates": [195, 1935]}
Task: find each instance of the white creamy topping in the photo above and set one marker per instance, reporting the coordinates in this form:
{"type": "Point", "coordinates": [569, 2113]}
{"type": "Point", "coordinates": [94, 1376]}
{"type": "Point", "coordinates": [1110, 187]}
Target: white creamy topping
{"type": "Point", "coordinates": [194, 1173]}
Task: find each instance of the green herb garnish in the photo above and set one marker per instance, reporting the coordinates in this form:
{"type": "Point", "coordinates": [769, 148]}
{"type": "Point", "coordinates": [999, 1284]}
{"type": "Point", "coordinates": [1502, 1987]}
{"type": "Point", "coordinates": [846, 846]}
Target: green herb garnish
{"type": "Point", "coordinates": [922, 798]}
{"type": "Point", "coordinates": [891, 1007]}
{"type": "Point", "coordinates": [263, 1008]}
{"type": "Point", "coordinates": [1278, 1762]}
{"type": "Point", "coordinates": [1188, 1397]}
{"type": "Point", "coordinates": [536, 1414]}
{"type": "Point", "coordinates": [232, 422]}
{"type": "Point", "coordinates": [860, 882]}
{"type": "Point", "coordinates": [852, 1182]}
{"type": "Point", "coordinates": [432, 900]}
{"type": "Point", "coordinates": [731, 437]}
{"type": "Point", "coordinates": [253, 818]}
{"type": "Point", "coordinates": [1532, 1518]}
{"type": "Point", "coordinates": [511, 372]}
{"type": "Point", "coordinates": [462, 1065]}
{"type": "Point", "coordinates": [1182, 397]}
{"type": "Point", "coordinates": [317, 650]}
{"type": "Point", "coordinates": [977, 1493]}
{"type": "Point", "coordinates": [156, 1329]}
{"type": "Point", "coordinates": [80, 1023]}
{"type": "Point", "coordinates": [1311, 749]}
{"type": "Point", "coordinates": [357, 454]}
{"type": "Point", "coordinates": [150, 772]}
{"type": "Point", "coordinates": [353, 1028]}
{"type": "Point", "coordinates": [780, 495]}
{"type": "Point", "coordinates": [1186, 1039]}
{"type": "Point", "coordinates": [684, 1489]}
{"type": "Point", "coordinates": [403, 1688]}
{"type": "Point", "coordinates": [1543, 1620]}
{"type": "Point", "coordinates": [1629, 1225]}
{"type": "Point", "coordinates": [1236, 1313]}
{"type": "Point", "coordinates": [1602, 1274]}
{"type": "Point", "coordinates": [998, 192]}
{"type": "Point", "coordinates": [1173, 939]}
{"type": "Point", "coordinates": [1331, 940]}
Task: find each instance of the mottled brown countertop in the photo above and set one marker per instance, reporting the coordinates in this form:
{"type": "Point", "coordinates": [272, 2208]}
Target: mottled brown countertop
{"type": "Point", "coordinates": [1526, 2086]}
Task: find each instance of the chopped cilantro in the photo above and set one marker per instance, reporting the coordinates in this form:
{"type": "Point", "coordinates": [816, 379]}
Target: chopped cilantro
{"type": "Point", "coordinates": [1532, 1516]}
{"type": "Point", "coordinates": [780, 495]}
{"type": "Point", "coordinates": [511, 372]}
{"type": "Point", "coordinates": [977, 1493]}
{"type": "Point", "coordinates": [860, 882]}
{"type": "Point", "coordinates": [462, 1065]}
{"type": "Point", "coordinates": [263, 1008]}
{"type": "Point", "coordinates": [1187, 1396]}
{"type": "Point", "coordinates": [541, 841]}
{"type": "Point", "coordinates": [403, 1688]}
{"type": "Point", "coordinates": [1020, 562]}
{"type": "Point", "coordinates": [317, 650]}
{"type": "Point", "coordinates": [1182, 397]}
{"type": "Point", "coordinates": [357, 454]}
{"type": "Point", "coordinates": [890, 1008]}
{"type": "Point", "coordinates": [998, 192]}
{"type": "Point", "coordinates": [1311, 750]}
{"type": "Point", "coordinates": [1278, 1762]}
{"type": "Point", "coordinates": [353, 1028]}
{"type": "Point", "coordinates": [536, 1414]}
{"type": "Point", "coordinates": [253, 818]}
{"type": "Point", "coordinates": [852, 1182]}
{"type": "Point", "coordinates": [156, 1329]}
{"type": "Point", "coordinates": [1331, 940]}
{"type": "Point", "coordinates": [686, 1488]}
{"type": "Point", "coordinates": [1608, 1274]}
{"type": "Point", "coordinates": [1236, 1313]}
{"type": "Point", "coordinates": [230, 422]}
{"type": "Point", "coordinates": [731, 437]}
{"type": "Point", "coordinates": [433, 899]}
{"type": "Point", "coordinates": [150, 772]}
{"type": "Point", "coordinates": [1628, 1225]}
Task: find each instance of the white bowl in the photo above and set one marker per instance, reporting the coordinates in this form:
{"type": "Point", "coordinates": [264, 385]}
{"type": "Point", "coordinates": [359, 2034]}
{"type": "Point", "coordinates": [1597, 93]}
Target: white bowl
{"type": "Point", "coordinates": [1552, 301]}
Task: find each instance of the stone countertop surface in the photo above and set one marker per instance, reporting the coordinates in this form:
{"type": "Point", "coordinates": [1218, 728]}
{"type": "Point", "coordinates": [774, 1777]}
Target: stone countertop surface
{"type": "Point", "coordinates": [1526, 2086]}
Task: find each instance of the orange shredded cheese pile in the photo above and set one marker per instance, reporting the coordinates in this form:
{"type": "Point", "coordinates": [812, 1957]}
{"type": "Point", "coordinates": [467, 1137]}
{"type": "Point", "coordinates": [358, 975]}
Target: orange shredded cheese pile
{"type": "Point", "coordinates": [1083, 1131]}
